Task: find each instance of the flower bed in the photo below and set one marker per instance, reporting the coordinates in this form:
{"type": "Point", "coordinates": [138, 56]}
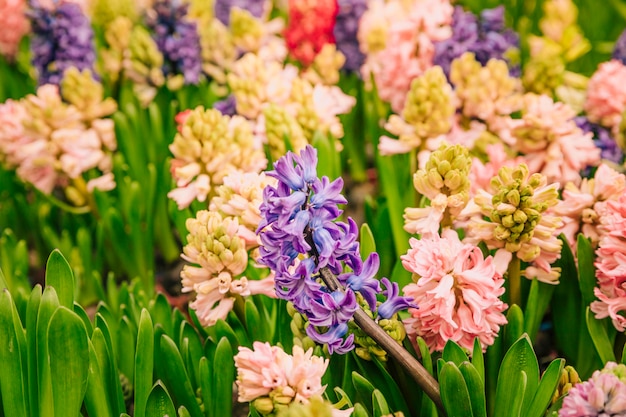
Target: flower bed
{"type": "Point", "coordinates": [302, 208]}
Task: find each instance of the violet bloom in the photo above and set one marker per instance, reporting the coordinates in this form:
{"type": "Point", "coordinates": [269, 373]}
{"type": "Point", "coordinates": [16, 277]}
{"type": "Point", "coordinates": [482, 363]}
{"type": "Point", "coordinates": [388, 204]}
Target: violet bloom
{"type": "Point", "coordinates": [227, 106]}
{"type": "Point", "coordinates": [602, 138]}
{"type": "Point", "coordinates": [486, 37]}
{"type": "Point", "coordinates": [61, 38]}
{"type": "Point", "coordinates": [394, 302]}
{"type": "Point", "coordinates": [177, 38]}
{"type": "Point", "coordinates": [619, 50]}
{"type": "Point", "coordinates": [299, 218]}
{"type": "Point", "coordinates": [345, 32]}
{"type": "Point", "coordinates": [222, 8]}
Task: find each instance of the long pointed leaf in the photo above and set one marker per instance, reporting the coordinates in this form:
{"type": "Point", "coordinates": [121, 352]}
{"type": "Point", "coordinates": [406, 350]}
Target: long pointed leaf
{"type": "Point", "coordinates": [160, 403]}
{"type": "Point", "coordinates": [144, 362]}
{"type": "Point", "coordinates": [547, 386]}
{"type": "Point", "coordinates": [13, 378]}
{"type": "Point", "coordinates": [60, 276]}
{"type": "Point", "coordinates": [454, 393]}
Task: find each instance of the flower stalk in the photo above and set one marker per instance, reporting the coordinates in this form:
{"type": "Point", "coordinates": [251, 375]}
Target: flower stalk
{"type": "Point", "coordinates": [515, 281]}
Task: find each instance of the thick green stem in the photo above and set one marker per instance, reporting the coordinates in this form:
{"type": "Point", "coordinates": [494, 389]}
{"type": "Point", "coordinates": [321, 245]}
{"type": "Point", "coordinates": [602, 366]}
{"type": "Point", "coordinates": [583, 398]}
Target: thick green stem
{"type": "Point", "coordinates": [515, 281]}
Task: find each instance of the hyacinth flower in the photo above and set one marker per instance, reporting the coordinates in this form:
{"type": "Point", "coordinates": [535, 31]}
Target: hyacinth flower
{"type": "Point", "coordinates": [346, 30]}
{"type": "Point", "coordinates": [61, 141]}
{"type": "Point", "coordinates": [224, 8]}
{"type": "Point", "coordinates": [604, 394]}
{"type": "Point", "coordinates": [398, 38]}
{"type": "Point", "coordinates": [611, 264]}
{"type": "Point", "coordinates": [310, 27]}
{"type": "Point", "coordinates": [217, 248]}
{"type": "Point", "coordinates": [14, 25]}
{"type": "Point", "coordinates": [177, 38]}
{"type": "Point", "coordinates": [274, 381]}
{"type": "Point", "coordinates": [306, 249]}
{"type": "Point", "coordinates": [207, 147]}
{"type": "Point", "coordinates": [604, 139]}
{"type": "Point", "coordinates": [515, 206]}
{"type": "Point", "coordinates": [62, 37]}
{"type": "Point", "coordinates": [486, 37]}
{"type": "Point", "coordinates": [457, 290]}
{"type": "Point", "coordinates": [605, 101]}
{"type": "Point", "coordinates": [445, 182]}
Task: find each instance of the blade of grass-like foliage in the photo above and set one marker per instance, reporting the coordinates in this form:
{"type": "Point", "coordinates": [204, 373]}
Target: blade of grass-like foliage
{"type": "Point", "coordinates": [161, 313]}
{"type": "Point", "coordinates": [204, 374]}
{"type": "Point", "coordinates": [69, 361]}
{"type": "Point", "coordinates": [478, 360]}
{"type": "Point", "coordinates": [367, 241]}
{"type": "Point", "coordinates": [428, 407]}
{"type": "Point", "coordinates": [547, 386]}
{"type": "Point", "coordinates": [381, 408]}
{"type": "Point", "coordinates": [598, 333]}
{"type": "Point", "coordinates": [144, 362]}
{"type": "Point", "coordinates": [515, 326]}
{"type": "Point", "coordinates": [32, 310]}
{"type": "Point", "coordinates": [193, 352]}
{"type": "Point", "coordinates": [452, 352]}
{"type": "Point", "coordinates": [476, 387]}
{"type": "Point", "coordinates": [256, 328]}
{"type": "Point", "coordinates": [159, 402]}
{"type": "Point", "coordinates": [517, 380]}
{"type": "Point", "coordinates": [127, 344]}
{"type": "Point", "coordinates": [48, 305]}
{"type": "Point", "coordinates": [223, 377]}
{"type": "Point", "coordinates": [537, 303]}
{"type": "Point", "coordinates": [454, 393]}
{"type": "Point", "coordinates": [14, 377]}
{"type": "Point", "coordinates": [96, 402]}
{"type": "Point", "coordinates": [364, 390]}
{"type": "Point", "coordinates": [586, 270]}
{"type": "Point", "coordinates": [60, 276]}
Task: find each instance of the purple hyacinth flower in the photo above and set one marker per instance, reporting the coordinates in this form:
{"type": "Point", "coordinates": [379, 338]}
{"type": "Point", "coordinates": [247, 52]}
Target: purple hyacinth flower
{"type": "Point", "coordinates": [345, 32]}
{"type": "Point", "coordinates": [603, 139]}
{"type": "Point", "coordinates": [177, 38]}
{"type": "Point", "coordinates": [619, 50]}
{"type": "Point", "coordinates": [222, 8]}
{"type": "Point", "coordinates": [394, 302]}
{"type": "Point", "coordinates": [61, 38]}
{"type": "Point", "coordinates": [227, 106]}
{"type": "Point", "coordinates": [333, 338]}
{"type": "Point", "coordinates": [333, 308]}
{"type": "Point", "coordinates": [363, 279]}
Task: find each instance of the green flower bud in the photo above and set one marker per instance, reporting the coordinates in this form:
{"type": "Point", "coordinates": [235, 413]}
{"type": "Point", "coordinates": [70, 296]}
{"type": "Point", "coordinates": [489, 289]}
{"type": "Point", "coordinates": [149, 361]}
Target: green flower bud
{"type": "Point", "coordinates": [282, 130]}
{"type": "Point", "coordinates": [264, 405]}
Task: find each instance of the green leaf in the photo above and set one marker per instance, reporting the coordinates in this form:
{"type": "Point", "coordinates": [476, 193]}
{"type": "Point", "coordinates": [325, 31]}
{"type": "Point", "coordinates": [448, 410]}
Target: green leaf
{"type": "Point", "coordinates": [108, 368]}
{"type": "Point", "coordinates": [453, 353]}
{"type": "Point", "coordinates": [60, 276]}
{"type": "Point", "coordinates": [223, 377]}
{"type": "Point", "coordinates": [364, 390]}
{"type": "Point", "coordinates": [537, 303]}
{"type": "Point", "coordinates": [428, 407]}
{"type": "Point", "coordinates": [515, 326]}
{"type": "Point", "coordinates": [547, 386]}
{"type": "Point", "coordinates": [159, 402]}
{"type": "Point", "coordinates": [14, 377]}
{"type": "Point", "coordinates": [193, 350]}
{"type": "Point", "coordinates": [359, 411]}
{"type": "Point", "coordinates": [127, 344]}
{"type": "Point", "coordinates": [69, 361]}
{"type": "Point", "coordinates": [454, 392]}
{"type": "Point", "coordinates": [256, 329]}
{"type": "Point", "coordinates": [223, 329]}
{"type": "Point", "coordinates": [586, 270]}
{"type": "Point", "coordinates": [144, 362]}
{"type": "Point", "coordinates": [175, 376]}
{"type": "Point", "coordinates": [380, 404]}
{"type": "Point", "coordinates": [204, 374]}
{"type": "Point", "coordinates": [368, 243]}
{"type": "Point", "coordinates": [601, 341]}
{"type": "Point", "coordinates": [161, 313]}
{"type": "Point", "coordinates": [96, 400]}
{"type": "Point", "coordinates": [32, 310]}
{"type": "Point", "coordinates": [47, 307]}
{"type": "Point", "coordinates": [478, 359]}
{"type": "Point", "coordinates": [519, 369]}
{"type": "Point", "coordinates": [475, 385]}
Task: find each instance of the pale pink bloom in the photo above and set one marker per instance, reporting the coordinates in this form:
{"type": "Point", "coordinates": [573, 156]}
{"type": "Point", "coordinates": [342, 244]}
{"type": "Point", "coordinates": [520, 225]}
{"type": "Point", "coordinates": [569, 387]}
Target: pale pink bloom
{"type": "Point", "coordinates": [12, 135]}
{"type": "Point", "coordinates": [329, 101]}
{"type": "Point", "coordinates": [105, 182]}
{"type": "Point", "coordinates": [581, 208]}
{"type": "Point", "coordinates": [482, 173]}
{"type": "Point", "coordinates": [426, 220]}
{"type": "Point", "coordinates": [14, 25]}
{"type": "Point", "coordinates": [611, 265]}
{"type": "Point", "coordinates": [81, 150]}
{"type": "Point", "coordinates": [606, 94]}
{"type": "Point", "coordinates": [407, 137]}
{"type": "Point", "coordinates": [551, 141]}
{"type": "Point", "coordinates": [457, 291]}
{"type": "Point", "coordinates": [268, 370]}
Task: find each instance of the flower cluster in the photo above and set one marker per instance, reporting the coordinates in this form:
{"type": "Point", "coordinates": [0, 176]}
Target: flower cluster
{"type": "Point", "coordinates": [345, 32]}
{"type": "Point", "coordinates": [224, 8]}
{"type": "Point", "coordinates": [299, 219]}
{"type": "Point", "coordinates": [14, 26]}
{"type": "Point", "coordinates": [217, 245]}
{"type": "Point", "coordinates": [272, 379]}
{"type": "Point", "coordinates": [177, 39]}
{"type": "Point", "coordinates": [311, 24]}
{"type": "Point", "coordinates": [62, 37]}
{"type": "Point", "coordinates": [486, 37]}
{"type": "Point", "coordinates": [55, 140]}
{"type": "Point", "coordinates": [457, 290]}
{"type": "Point", "coordinates": [207, 147]}
{"type": "Point", "coordinates": [611, 264]}
{"type": "Point", "coordinates": [604, 394]}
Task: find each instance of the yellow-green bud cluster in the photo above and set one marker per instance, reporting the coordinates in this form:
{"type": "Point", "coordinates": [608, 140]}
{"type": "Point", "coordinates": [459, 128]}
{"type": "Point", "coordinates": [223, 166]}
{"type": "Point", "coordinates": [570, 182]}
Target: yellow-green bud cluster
{"type": "Point", "coordinates": [326, 66]}
{"type": "Point", "coordinates": [217, 49]}
{"type": "Point", "coordinates": [247, 31]}
{"type": "Point", "coordinates": [515, 210]}
{"type": "Point", "coordinates": [215, 145]}
{"type": "Point", "coordinates": [282, 131]}
{"type": "Point", "coordinates": [144, 65]}
{"type": "Point", "coordinates": [81, 90]}
{"type": "Point", "coordinates": [316, 407]}
{"type": "Point", "coordinates": [298, 326]}
{"type": "Point", "coordinates": [302, 94]}
{"type": "Point", "coordinates": [248, 83]}
{"type": "Point", "coordinates": [428, 107]}
{"type": "Point", "coordinates": [117, 35]}
{"type": "Point", "coordinates": [214, 241]}
{"type": "Point", "coordinates": [486, 91]}
{"type": "Point", "coordinates": [569, 377]}
{"type": "Point", "coordinates": [545, 70]}
{"type": "Point", "coordinates": [104, 12]}
{"type": "Point", "coordinates": [446, 172]}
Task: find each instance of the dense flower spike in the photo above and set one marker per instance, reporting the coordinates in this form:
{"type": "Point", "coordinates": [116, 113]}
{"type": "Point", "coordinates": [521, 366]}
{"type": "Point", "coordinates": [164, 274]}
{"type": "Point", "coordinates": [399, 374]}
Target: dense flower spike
{"type": "Point", "coordinates": [398, 38]}
{"type": "Point", "coordinates": [310, 27]}
{"type": "Point", "coordinates": [62, 38]}
{"type": "Point", "coordinates": [104, 12]}
{"type": "Point", "coordinates": [14, 26]}
{"type": "Point", "coordinates": [177, 39]}
{"type": "Point", "coordinates": [299, 219]}
{"type": "Point", "coordinates": [604, 394]}
{"type": "Point", "coordinates": [207, 147]}
{"type": "Point", "coordinates": [606, 94]}
{"type": "Point", "coordinates": [224, 8]}
{"type": "Point", "coordinates": [345, 32]}
{"type": "Point", "coordinates": [611, 264]}
{"type": "Point", "coordinates": [428, 112]}
{"type": "Point", "coordinates": [457, 290]}
{"type": "Point", "coordinates": [486, 37]}
{"type": "Point", "coordinates": [272, 379]}
{"type": "Point", "coordinates": [145, 65]}
{"type": "Point", "coordinates": [445, 182]}
{"type": "Point", "coordinates": [619, 49]}
{"type": "Point", "coordinates": [603, 139]}
{"type": "Point", "coordinates": [515, 205]}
